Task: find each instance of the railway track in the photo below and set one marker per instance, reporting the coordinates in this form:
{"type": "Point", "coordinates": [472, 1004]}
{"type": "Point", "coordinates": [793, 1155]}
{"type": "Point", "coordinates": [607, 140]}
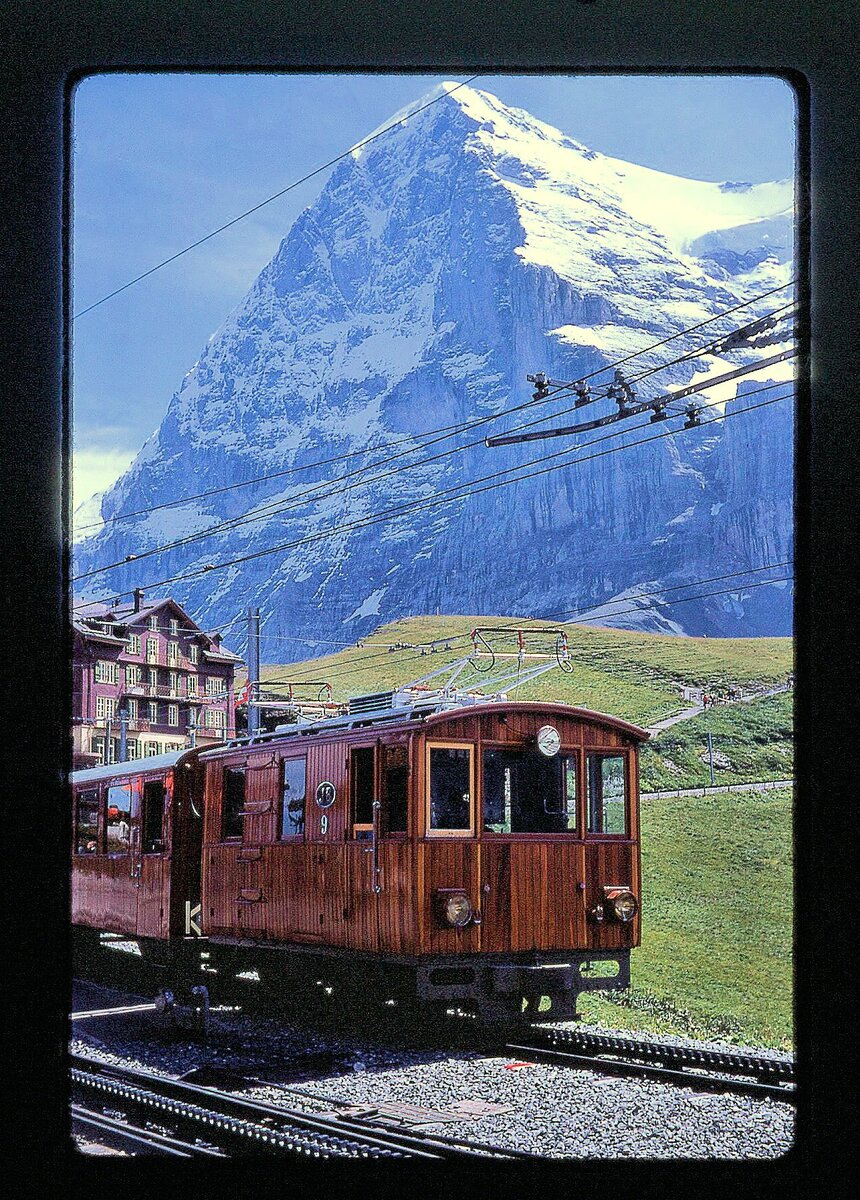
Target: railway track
{"type": "Point", "coordinates": [747, 1074]}
{"type": "Point", "coordinates": [143, 1113]}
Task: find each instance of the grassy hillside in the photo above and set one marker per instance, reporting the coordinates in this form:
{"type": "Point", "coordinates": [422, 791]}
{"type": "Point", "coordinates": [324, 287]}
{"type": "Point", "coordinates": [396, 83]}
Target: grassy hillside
{"type": "Point", "coordinates": [751, 742]}
{"type": "Point", "coordinates": [716, 954]}
{"type": "Point", "coordinates": [638, 676]}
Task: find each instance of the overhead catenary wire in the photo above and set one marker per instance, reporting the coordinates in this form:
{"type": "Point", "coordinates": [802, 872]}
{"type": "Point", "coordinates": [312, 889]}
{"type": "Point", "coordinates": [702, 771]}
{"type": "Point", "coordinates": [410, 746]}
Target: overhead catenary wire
{"type": "Point", "coordinates": [445, 498]}
{"type": "Point", "coordinates": [462, 427]}
{"type": "Point", "coordinates": [658, 403]}
{"type": "Point", "coordinates": [325, 489]}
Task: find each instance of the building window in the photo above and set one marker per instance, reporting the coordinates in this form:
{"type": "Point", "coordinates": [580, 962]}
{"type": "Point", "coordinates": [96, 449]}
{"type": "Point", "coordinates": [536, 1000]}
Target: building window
{"type": "Point", "coordinates": [173, 652]}
{"type": "Point", "coordinates": [191, 685]}
{"type": "Point", "coordinates": [193, 653]}
{"type": "Point", "coordinates": [173, 682]}
{"type": "Point", "coordinates": [131, 705]}
{"type": "Point", "coordinates": [131, 749]}
{"type": "Point", "coordinates": [87, 823]}
{"type": "Point", "coordinates": [168, 746]}
{"type": "Point", "coordinates": [133, 675]}
{"type": "Point", "coordinates": [174, 628]}
{"type": "Point", "coordinates": [606, 794]}
{"type": "Point", "coordinates": [173, 714]}
{"type": "Point", "coordinates": [232, 812]}
{"type": "Point", "coordinates": [107, 672]}
{"type": "Point", "coordinates": [105, 707]}
{"type": "Point", "coordinates": [98, 748]}
{"type": "Point", "coordinates": [153, 677]}
{"type": "Point", "coordinates": [133, 643]}
{"type": "Point", "coordinates": [151, 749]}
{"type": "Point", "coordinates": [153, 622]}
{"type": "Point", "coordinates": [152, 650]}
{"type": "Point", "coordinates": [293, 798]}
{"type": "Point", "coordinates": [213, 685]}
{"type": "Point", "coordinates": [215, 718]}
{"type": "Point", "coordinates": [153, 711]}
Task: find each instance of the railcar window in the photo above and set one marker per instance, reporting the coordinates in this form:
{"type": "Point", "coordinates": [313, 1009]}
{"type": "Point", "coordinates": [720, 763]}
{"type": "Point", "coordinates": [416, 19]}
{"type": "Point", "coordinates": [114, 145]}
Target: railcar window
{"type": "Point", "coordinates": [118, 818]}
{"type": "Point", "coordinates": [87, 823]}
{"type": "Point", "coordinates": [526, 792]}
{"type": "Point", "coordinates": [233, 802]}
{"type": "Point", "coordinates": [362, 788]}
{"type": "Point", "coordinates": [293, 797]}
{"type": "Point", "coordinates": [450, 788]}
{"type": "Point", "coordinates": [607, 809]}
{"type": "Point", "coordinates": [395, 789]}
{"type": "Point", "coordinates": [153, 817]}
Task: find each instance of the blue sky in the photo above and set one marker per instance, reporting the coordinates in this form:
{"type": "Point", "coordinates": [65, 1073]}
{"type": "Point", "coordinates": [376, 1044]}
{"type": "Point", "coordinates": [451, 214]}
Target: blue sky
{"type": "Point", "coordinates": [161, 160]}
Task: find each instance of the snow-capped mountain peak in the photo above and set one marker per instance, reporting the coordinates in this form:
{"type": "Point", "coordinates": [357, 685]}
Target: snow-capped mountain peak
{"type": "Point", "coordinates": [466, 247]}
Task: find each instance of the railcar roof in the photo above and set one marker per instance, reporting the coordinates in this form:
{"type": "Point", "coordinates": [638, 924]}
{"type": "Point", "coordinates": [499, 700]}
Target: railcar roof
{"type": "Point", "coordinates": [135, 766]}
{"type": "Point", "coordinates": [422, 715]}
{"type": "Point", "coordinates": [566, 710]}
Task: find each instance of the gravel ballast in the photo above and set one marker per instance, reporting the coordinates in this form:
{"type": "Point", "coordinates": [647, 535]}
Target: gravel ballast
{"type": "Point", "coordinates": [555, 1111]}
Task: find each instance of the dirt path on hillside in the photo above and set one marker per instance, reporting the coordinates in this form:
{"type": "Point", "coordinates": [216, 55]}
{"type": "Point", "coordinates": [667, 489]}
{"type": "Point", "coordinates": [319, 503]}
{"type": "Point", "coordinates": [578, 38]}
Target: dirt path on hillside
{"type": "Point", "coordinates": [695, 694]}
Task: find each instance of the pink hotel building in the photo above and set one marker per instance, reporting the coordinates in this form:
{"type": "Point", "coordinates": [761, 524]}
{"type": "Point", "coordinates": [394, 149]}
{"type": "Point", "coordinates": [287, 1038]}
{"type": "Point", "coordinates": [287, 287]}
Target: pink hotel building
{"type": "Point", "coordinates": [175, 681]}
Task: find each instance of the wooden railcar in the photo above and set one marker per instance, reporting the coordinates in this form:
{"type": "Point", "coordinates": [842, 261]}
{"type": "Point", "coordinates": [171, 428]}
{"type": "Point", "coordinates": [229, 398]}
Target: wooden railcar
{"type": "Point", "coordinates": [136, 846]}
{"type": "Point", "coordinates": [482, 857]}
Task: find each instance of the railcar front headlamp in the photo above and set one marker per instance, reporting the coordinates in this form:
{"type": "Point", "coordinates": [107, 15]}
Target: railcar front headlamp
{"type": "Point", "coordinates": [455, 908]}
{"type": "Point", "coordinates": [621, 904]}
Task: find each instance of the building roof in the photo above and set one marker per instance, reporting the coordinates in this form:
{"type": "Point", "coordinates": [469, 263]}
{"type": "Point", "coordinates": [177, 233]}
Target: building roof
{"type": "Point", "coordinates": [124, 614]}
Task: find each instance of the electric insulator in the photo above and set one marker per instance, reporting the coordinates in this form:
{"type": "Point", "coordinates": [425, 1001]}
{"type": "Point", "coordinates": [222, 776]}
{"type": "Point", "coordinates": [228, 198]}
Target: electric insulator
{"type": "Point", "coordinates": [659, 413]}
{"type": "Point", "coordinates": [692, 415]}
{"type": "Point", "coordinates": [541, 383]}
{"type": "Point", "coordinates": [583, 394]}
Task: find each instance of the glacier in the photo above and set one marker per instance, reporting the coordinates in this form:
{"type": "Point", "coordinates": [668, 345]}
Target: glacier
{"type": "Point", "coordinates": [469, 246]}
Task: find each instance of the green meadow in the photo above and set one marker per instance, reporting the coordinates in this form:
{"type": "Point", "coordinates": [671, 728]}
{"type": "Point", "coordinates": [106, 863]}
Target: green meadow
{"type": "Point", "coordinates": [716, 953]}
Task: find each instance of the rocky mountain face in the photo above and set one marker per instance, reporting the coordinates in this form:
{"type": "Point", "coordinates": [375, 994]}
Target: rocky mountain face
{"type": "Point", "coordinates": [468, 247]}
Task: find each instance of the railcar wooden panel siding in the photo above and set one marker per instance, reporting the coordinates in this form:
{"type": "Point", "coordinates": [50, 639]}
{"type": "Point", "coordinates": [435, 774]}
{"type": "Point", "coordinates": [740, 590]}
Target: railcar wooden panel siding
{"type": "Point", "coordinates": [534, 900]}
{"type": "Point", "coordinates": [610, 863]}
{"type": "Point", "coordinates": [152, 897]}
{"type": "Point", "coordinates": [104, 895]}
{"type": "Point", "coordinates": [449, 864]}
{"type": "Point", "coordinates": [398, 927]}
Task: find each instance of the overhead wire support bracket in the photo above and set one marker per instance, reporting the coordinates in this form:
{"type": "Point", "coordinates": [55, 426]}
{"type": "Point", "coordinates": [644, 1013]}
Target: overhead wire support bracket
{"type": "Point", "coordinates": [657, 404]}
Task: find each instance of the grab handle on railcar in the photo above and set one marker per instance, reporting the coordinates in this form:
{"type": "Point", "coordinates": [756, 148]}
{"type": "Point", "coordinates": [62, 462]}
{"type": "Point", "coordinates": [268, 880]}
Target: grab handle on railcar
{"type": "Point", "coordinates": [377, 887]}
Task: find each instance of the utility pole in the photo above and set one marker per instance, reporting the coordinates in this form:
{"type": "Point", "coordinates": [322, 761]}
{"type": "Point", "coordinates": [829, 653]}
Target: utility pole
{"type": "Point", "coordinates": [253, 671]}
{"type": "Point", "coordinates": [710, 739]}
{"type": "Point", "coordinates": [109, 740]}
{"type": "Point", "coordinates": [123, 734]}
{"type": "Point", "coordinates": [192, 727]}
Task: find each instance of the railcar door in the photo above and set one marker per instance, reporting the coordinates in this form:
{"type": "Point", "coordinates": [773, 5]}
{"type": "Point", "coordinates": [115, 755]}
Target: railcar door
{"type": "Point", "coordinates": [120, 879]}
{"type": "Point", "coordinates": [393, 869]}
{"type": "Point", "coordinates": [323, 882]}
{"type": "Point", "coordinates": [147, 853]}
{"type": "Point", "coordinates": [450, 848]}
{"type": "Point", "coordinates": [362, 848]}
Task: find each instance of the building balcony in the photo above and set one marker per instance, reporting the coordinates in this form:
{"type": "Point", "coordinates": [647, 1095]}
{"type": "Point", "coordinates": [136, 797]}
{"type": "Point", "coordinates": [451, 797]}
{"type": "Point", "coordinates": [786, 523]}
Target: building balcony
{"type": "Point", "coordinates": [176, 664]}
{"type": "Point", "coordinates": [161, 692]}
